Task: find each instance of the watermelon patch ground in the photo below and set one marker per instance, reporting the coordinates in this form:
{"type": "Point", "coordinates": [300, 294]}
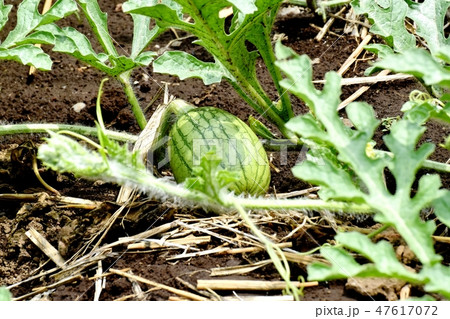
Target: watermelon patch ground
{"type": "Point", "coordinates": [51, 96]}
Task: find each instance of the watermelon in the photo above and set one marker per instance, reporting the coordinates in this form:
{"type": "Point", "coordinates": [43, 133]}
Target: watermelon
{"type": "Point", "coordinates": [208, 128]}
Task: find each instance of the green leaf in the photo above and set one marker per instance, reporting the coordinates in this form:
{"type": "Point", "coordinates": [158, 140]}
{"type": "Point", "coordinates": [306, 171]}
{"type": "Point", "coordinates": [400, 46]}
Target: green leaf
{"type": "Point", "coordinates": [99, 24]}
{"type": "Point", "coordinates": [70, 41]}
{"type": "Point", "coordinates": [388, 20]}
{"type": "Point", "coordinates": [442, 207]}
{"type": "Point", "coordinates": [29, 18]}
{"type": "Point", "coordinates": [343, 265]}
{"type": "Point", "coordinates": [420, 112]}
{"type": "Point", "coordinates": [299, 74]}
{"type": "Point", "coordinates": [142, 35]}
{"type": "Point", "coordinates": [4, 13]}
{"type": "Point", "coordinates": [438, 277]}
{"type": "Point", "coordinates": [429, 17]}
{"type": "Point", "coordinates": [81, 162]}
{"type": "Point", "coordinates": [419, 63]}
{"type": "Point", "coordinates": [27, 54]}
{"type": "Point", "coordinates": [185, 66]}
{"type": "Point", "coordinates": [381, 254]}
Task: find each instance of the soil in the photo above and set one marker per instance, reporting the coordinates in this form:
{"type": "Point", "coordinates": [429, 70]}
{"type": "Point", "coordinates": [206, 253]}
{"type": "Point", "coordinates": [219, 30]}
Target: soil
{"type": "Point", "coordinates": [49, 97]}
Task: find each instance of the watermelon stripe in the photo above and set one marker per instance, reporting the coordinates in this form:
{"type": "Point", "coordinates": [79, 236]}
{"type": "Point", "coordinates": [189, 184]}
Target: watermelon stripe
{"type": "Point", "coordinates": [239, 157]}
{"type": "Point", "coordinates": [175, 144]}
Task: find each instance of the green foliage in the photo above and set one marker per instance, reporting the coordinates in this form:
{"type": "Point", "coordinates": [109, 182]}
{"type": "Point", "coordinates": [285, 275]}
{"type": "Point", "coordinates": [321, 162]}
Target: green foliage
{"type": "Point", "coordinates": [388, 20]}
{"type": "Point", "coordinates": [419, 63]}
{"type": "Point", "coordinates": [252, 22]}
{"type": "Point", "coordinates": [382, 255]}
{"type": "Point", "coordinates": [18, 45]}
{"type": "Point", "coordinates": [72, 42]}
{"type": "Point", "coordinates": [210, 179]}
{"type": "Point", "coordinates": [397, 208]}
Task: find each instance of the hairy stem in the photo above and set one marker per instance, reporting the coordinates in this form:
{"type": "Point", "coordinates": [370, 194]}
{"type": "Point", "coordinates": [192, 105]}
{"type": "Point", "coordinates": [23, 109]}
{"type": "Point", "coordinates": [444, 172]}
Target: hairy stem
{"type": "Point", "coordinates": [12, 129]}
{"type": "Point", "coordinates": [312, 204]}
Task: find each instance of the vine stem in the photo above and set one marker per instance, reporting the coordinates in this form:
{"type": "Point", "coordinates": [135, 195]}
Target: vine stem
{"type": "Point", "coordinates": [124, 79]}
{"type": "Point", "coordinates": [279, 204]}
{"type": "Point", "coordinates": [11, 129]}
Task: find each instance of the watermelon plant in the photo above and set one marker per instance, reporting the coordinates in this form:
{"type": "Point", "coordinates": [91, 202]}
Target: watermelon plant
{"type": "Point", "coordinates": [250, 23]}
{"type": "Point", "coordinates": [351, 180]}
{"type": "Point", "coordinates": [364, 183]}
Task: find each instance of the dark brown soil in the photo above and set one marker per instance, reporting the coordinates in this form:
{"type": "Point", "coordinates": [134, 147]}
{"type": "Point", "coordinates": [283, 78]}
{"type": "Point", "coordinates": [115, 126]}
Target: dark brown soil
{"type": "Point", "coordinates": [48, 97]}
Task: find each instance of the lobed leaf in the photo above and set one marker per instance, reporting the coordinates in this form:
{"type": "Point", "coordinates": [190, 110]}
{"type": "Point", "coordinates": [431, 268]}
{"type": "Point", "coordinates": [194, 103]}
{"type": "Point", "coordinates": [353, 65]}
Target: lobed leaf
{"type": "Point", "coordinates": [437, 277]}
{"type": "Point", "coordinates": [442, 207]}
{"type": "Point", "coordinates": [419, 63]}
{"type": "Point", "coordinates": [429, 18]}
{"type": "Point", "coordinates": [29, 18]}
{"type": "Point", "coordinates": [388, 20]}
{"type": "Point", "coordinates": [343, 265]}
{"type": "Point", "coordinates": [28, 54]}
{"type": "Point", "coordinates": [70, 41]}
{"type": "Point", "coordinates": [185, 66]}
{"type": "Point", "coordinates": [99, 24]}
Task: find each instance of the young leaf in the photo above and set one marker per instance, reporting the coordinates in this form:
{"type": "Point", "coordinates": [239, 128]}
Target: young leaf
{"type": "Point", "coordinates": [210, 179]}
{"type": "Point", "coordinates": [420, 112]}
